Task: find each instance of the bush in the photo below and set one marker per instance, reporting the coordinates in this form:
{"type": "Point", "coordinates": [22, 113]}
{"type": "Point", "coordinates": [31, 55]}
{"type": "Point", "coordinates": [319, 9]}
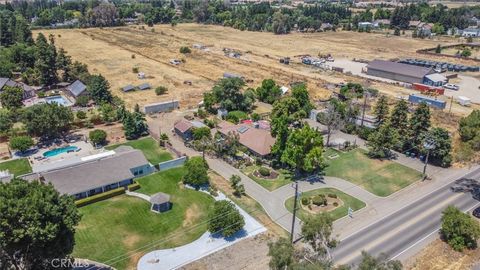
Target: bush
{"type": "Point", "coordinates": [135, 69]}
{"type": "Point", "coordinates": [201, 113]}
{"type": "Point", "coordinates": [161, 90]}
{"type": "Point", "coordinates": [41, 94]}
{"type": "Point", "coordinates": [81, 115]}
{"type": "Point", "coordinates": [264, 171]}
{"type": "Point", "coordinates": [319, 200]}
{"type": "Point", "coordinates": [335, 204]}
{"type": "Point", "coordinates": [133, 56]}
{"type": "Point", "coordinates": [97, 136]}
{"type": "Point", "coordinates": [305, 201]}
{"type": "Point", "coordinates": [225, 218]}
{"type": "Point", "coordinates": [133, 186]}
{"type": "Point", "coordinates": [459, 230]}
{"type": "Point", "coordinates": [185, 49]}
{"type": "Point", "coordinates": [21, 143]}
{"type": "Point", "coordinates": [82, 101]}
{"type": "Point", "coordinates": [332, 195]}
{"type": "Point", "coordinates": [100, 197]}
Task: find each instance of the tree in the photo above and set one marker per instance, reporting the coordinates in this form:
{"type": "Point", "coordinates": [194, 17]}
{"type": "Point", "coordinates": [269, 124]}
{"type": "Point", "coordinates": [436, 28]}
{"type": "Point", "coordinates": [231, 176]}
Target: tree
{"type": "Point", "coordinates": [469, 129]}
{"type": "Point", "coordinates": [225, 219]}
{"type": "Point", "coordinates": [438, 49]}
{"type": "Point", "coordinates": [317, 231]}
{"type": "Point", "coordinates": [280, 23]}
{"type": "Point", "coordinates": [197, 172]}
{"type": "Point", "coordinates": [11, 97]}
{"type": "Point", "coordinates": [381, 262]}
{"type": "Point", "coordinates": [304, 150]}
{"type": "Point", "coordinates": [441, 153]}
{"type": "Point", "coordinates": [21, 143]}
{"type": "Point", "coordinates": [238, 188]}
{"type": "Point", "coordinates": [46, 60]}
{"type": "Point", "coordinates": [332, 119]}
{"type": "Point", "coordinates": [381, 110]}
{"type": "Point", "coordinates": [228, 95]}
{"type": "Point", "coordinates": [6, 122]}
{"type": "Point", "coordinates": [269, 91]}
{"type": "Point", "coordinates": [35, 216]}
{"type": "Point", "coordinates": [199, 133]}
{"type": "Point", "coordinates": [97, 137]}
{"type": "Point", "coordinates": [46, 120]}
{"type": "Point", "coordinates": [82, 101]}
{"type": "Point", "coordinates": [459, 230]}
{"type": "Point", "coordinates": [300, 93]}
{"type": "Point", "coordinates": [381, 141]}
{"type": "Point", "coordinates": [399, 119]}
{"type": "Point", "coordinates": [419, 124]}
{"type": "Point", "coordinates": [281, 254]}
{"type": "Point", "coordinates": [352, 90]}
{"type": "Point", "coordinates": [134, 124]}
{"type": "Point", "coordinates": [99, 89]}
{"type": "Point", "coordinates": [108, 113]}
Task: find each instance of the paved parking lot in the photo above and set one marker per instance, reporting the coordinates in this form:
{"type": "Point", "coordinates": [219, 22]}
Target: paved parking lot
{"type": "Point", "coordinates": [468, 88]}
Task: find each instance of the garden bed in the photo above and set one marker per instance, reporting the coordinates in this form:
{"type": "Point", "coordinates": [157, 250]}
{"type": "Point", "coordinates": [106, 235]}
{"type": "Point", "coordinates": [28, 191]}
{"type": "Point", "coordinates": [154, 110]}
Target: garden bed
{"type": "Point", "coordinates": [272, 176]}
{"type": "Point", "coordinates": [282, 178]}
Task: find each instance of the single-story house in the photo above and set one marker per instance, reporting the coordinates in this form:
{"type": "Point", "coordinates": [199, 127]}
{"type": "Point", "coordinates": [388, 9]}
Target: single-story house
{"type": "Point", "coordinates": [365, 25]}
{"type": "Point", "coordinates": [471, 32]}
{"type": "Point", "coordinates": [160, 202]}
{"type": "Point", "coordinates": [77, 89]}
{"type": "Point", "coordinates": [184, 128]}
{"type": "Point", "coordinates": [94, 176]}
{"type": "Point", "coordinates": [144, 86]}
{"type": "Point", "coordinates": [28, 91]}
{"type": "Point", "coordinates": [435, 79]}
{"type": "Point", "coordinates": [381, 23]}
{"type": "Point", "coordinates": [398, 71]}
{"type": "Point", "coordinates": [258, 141]}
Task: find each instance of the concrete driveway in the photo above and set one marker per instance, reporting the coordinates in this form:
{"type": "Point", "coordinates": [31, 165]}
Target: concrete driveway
{"type": "Point", "coordinates": [468, 88]}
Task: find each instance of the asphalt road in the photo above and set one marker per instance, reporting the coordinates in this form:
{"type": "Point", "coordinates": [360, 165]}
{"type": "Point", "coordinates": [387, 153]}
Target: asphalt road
{"type": "Point", "coordinates": [405, 228]}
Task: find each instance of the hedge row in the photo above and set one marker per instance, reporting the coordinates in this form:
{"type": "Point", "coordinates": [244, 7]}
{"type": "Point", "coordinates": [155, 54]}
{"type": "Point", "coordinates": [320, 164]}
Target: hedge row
{"type": "Point", "coordinates": [133, 187]}
{"type": "Point", "coordinates": [100, 197]}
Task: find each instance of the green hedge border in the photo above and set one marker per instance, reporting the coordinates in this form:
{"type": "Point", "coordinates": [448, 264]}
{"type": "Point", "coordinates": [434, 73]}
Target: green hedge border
{"type": "Point", "coordinates": [133, 187]}
{"type": "Point", "coordinates": [100, 197]}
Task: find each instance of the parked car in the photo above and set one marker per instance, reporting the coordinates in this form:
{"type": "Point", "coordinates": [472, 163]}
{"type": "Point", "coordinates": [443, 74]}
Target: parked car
{"type": "Point", "coordinates": [451, 86]}
{"type": "Point", "coordinates": [476, 212]}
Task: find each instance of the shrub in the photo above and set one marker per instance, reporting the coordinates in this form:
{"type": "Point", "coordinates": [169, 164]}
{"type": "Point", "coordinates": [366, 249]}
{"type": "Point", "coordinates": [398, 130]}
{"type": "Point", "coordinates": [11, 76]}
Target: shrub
{"type": "Point", "coordinates": [201, 113]}
{"type": "Point", "coordinates": [459, 230]}
{"type": "Point", "coordinates": [161, 90]}
{"type": "Point", "coordinates": [135, 69]}
{"type": "Point", "coordinates": [319, 200]}
{"type": "Point", "coordinates": [332, 195]}
{"type": "Point", "coordinates": [264, 171]}
{"type": "Point", "coordinates": [82, 101]}
{"type": "Point", "coordinates": [81, 115]}
{"type": "Point", "coordinates": [133, 56]}
{"type": "Point", "coordinates": [236, 116]}
{"type": "Point", "coordinates": [305, 201]}
{"type": "Point", "coordinates": [335, 204]}
{"type": "Point", "coordinates": [21, 143]}
{"type": "Point", "coordinates": [185, 49]}
{"type": "Point", "coordinates": [41, 94]}
{"type": "Point", "coordinates": [100, 197]}
{"type": "Point", "coordinates": [133, 186]}
{"type": "Point", "coordinates": [97, 136]}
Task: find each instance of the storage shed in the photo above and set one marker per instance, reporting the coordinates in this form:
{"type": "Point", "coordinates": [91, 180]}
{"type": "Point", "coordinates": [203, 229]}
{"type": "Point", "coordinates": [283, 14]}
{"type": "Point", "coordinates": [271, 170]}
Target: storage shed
{"type": "Point", "coordinates": [432, 102]}
{"type": "Point", "coordinates": [398, 71]}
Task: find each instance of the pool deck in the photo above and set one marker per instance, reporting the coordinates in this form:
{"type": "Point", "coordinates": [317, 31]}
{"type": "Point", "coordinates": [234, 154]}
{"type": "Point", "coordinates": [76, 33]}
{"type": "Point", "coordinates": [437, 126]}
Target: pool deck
{"type": "Point", "coordinates": [62, 159]}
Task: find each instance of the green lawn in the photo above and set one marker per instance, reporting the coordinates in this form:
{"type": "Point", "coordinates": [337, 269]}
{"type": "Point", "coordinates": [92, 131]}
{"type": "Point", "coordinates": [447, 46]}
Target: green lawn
{"type": "Point", "coordinates": [381, 177]}
{"type": "Point", "coordinates": [16, 166]}
{"type": "Point", "coordinates": [348, 201]}
{"type": "Point", "coordinates": [122, 224]}
{"type": "Point", "coordinates": [284, 177]}
{"type": "Point", "coordinates": [150, 148]}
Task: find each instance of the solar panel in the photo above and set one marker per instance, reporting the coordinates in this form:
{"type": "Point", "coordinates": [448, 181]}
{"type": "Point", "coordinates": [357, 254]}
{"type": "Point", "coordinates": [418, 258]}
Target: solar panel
{"type": "Point", "coordinates": [242, 129]}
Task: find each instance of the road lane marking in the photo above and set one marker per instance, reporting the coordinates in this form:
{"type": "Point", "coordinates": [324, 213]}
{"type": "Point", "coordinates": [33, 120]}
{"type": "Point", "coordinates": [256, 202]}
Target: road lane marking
{"type": "Point", "coordinates": [398, 229]}
{"type": "Point", "coordinates": [423, 239]}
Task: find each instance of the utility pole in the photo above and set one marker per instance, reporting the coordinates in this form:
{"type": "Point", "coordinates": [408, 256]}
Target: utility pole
{"type": "Point", "coordinates": [429, 145]}
{"type": "Point", "coordinates": [364, 106]}
{"type": "Point", "coordinates": [294, 211]}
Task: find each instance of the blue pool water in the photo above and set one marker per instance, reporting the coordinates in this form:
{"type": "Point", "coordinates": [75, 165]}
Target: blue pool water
{"type": "Point", "coordinates": [58, 151]}
{"type": "Point", "coordinates": [57, 99]}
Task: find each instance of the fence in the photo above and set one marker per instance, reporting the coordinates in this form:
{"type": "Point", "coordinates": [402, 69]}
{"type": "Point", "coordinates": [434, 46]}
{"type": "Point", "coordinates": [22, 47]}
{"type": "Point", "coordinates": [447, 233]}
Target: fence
{"type": "Point", "coordinates": [171, 163]}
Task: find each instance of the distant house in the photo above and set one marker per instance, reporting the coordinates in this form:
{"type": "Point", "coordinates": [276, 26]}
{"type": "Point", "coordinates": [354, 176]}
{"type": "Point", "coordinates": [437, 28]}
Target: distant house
{"type": "Point", "coordinates": [96, 175]}
{"type": "Point", "coordinates": [381, 23]}
{"type": "Point", "coordinates": [365, 25]}
{"type": "Point", "coordinates": [471, 32]}
{"type": "Point", "coordinates": [258, 141]}
{"type": "Point", "coordinates": [76, 89]}
{"type": "Point", "coordinates": [28, 91]}
{"type": "Point", "coordinates": [414, 24]}
{"type": "Point", "coordinates": [326, 26]}
{"type": "Point", "coordinates": [435, 79]}
{"type": "Point", "coordinates": [424, 29]}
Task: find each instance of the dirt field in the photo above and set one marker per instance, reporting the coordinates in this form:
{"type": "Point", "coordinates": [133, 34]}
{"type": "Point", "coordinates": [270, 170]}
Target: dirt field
{"type": "Point", "coordinates": [109, 52]}
{"type": "Point", "coordinates": [439, 256]}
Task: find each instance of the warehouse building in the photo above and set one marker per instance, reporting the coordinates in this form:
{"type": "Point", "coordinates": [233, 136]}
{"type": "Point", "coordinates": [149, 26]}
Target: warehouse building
{"type": "Point", "coordinates": [398, 71]}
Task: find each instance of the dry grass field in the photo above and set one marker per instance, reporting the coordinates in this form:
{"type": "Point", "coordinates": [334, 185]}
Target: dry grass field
{"type": "Point", "coordinates": [110, 51]}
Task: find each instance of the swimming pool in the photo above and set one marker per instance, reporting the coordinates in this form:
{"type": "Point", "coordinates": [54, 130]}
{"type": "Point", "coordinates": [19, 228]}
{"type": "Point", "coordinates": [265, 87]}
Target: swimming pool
{"type": "Point", "coordinates": [57, 151]}
{"type": "Point", "coordinates": [60, 100]}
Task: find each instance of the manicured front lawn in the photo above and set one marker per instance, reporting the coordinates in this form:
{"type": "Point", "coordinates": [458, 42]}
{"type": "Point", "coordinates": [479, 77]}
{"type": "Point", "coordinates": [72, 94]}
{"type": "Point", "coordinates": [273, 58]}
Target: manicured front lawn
{"type": "Point", "coordinates": [122, 224]}
{"type": "Point", "coordinates": [284, 177]}
{"type": "Point", "coordinates": [341, 211]}
{"type": "Point", "coordinates": [150, 148]}
{"type": "Point", "coordinates": [381, 177]}
{"type": "Point", "coordinates": [16, 166]}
